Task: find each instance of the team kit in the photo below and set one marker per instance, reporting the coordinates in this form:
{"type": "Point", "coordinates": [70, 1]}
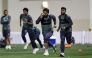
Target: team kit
{"type": "Point", "coordinates": [65, 28]}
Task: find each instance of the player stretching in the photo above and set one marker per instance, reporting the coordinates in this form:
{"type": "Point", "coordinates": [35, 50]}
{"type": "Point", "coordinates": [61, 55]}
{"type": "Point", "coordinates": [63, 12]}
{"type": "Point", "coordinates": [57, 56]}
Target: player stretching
{"type": "Point", "coordinates": [46, 24]}
{"type": "Point", "coordinates": [65, 27]}
{"type": "Point", "coordinates": [5, 21]}
{"type": "Point", "coordinates": [27, 27]}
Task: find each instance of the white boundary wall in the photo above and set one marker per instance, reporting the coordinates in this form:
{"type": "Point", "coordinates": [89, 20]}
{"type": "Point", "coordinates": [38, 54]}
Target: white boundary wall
{"type": "Point", "coordinates": [80, 37]}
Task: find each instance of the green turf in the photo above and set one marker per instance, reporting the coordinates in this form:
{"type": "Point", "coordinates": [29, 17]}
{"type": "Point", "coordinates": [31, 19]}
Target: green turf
{"type": "Point", "coordinates": [18, 52]}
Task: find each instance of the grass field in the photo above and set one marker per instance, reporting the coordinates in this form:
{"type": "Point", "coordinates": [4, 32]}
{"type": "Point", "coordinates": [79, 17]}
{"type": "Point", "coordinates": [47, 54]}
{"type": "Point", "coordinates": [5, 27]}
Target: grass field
{"type": "Point", "coordinates": [18, 52]}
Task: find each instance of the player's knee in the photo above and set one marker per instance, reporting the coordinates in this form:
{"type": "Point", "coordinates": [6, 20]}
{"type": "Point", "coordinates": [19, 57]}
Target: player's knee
{"type": "Point", "coordinates": [45, 37]}
{"type": "Point", "coordinates": [7, 36]}
{"type": "Point", "coordinates": [46, 40]}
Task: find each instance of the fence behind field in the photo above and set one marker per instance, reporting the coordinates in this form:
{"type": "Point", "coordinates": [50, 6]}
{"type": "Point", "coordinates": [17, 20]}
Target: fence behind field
{"type": "Point", "coordinates": [80, 37]}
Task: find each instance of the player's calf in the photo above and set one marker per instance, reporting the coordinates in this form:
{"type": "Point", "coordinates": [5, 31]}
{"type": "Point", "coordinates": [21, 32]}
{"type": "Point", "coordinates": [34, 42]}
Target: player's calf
{"type": "Point", "coordinates": [7, 40]}
{"type": "Point", "coordinates": [73, 40]}
{"type": "Point", "coordinates": [46, 53]}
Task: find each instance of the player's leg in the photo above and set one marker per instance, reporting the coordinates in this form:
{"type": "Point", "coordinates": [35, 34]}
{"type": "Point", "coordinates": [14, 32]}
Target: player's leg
{"type": "Point", "coordinates": [38, 39]}
{"type": "Point", "coordinates": [68, 37]}
{"type": "Point", "coordinates": [35, 42]}
{"type": "Point", "coordinates": [35, 46]}
{"type": "Point", "coordinates": [6, 34]}
{"type": "Point", "coordinates": [41, 45]}
{"type": "Point", "coordinates": [62, 44]}
{"type": "Point", "coordinates": [32, 39]}
{"type": "Point", "coordinates": [8, 37]}
{"type": "Point", "coordinates": [23, 33]}
{"type": "Point", "coordinates": [46, 46]}
{"type": "Point", "coordinates": [6, 41]}
{"type": "Point", "coordinates": [46, 40]}
{"type": "Point", "coordinates": [53, 46]}
{"type": "Point", "coordinates": [50, 44]}
{"type": "Point", "coordinates": [72, 40]}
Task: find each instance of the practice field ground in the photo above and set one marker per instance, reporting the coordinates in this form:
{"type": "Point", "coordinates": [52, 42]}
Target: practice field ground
{"type": "Point", "coordinates": [18, 52]}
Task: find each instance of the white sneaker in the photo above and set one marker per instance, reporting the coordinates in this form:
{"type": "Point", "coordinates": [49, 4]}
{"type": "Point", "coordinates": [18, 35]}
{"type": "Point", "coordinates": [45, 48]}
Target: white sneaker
{"type": "Point", "coordinates": [6, 47]}
{"type": "Point", "coordinates": [25, 45]}
{"type": "Point", "coordinates": [9, 47]}
{"type": "Point", "coordinates": [62, 55]}
{"type": "Point", "coordinates": [46, 54]}
{"type": "Point", "coordinates": [35, 50]}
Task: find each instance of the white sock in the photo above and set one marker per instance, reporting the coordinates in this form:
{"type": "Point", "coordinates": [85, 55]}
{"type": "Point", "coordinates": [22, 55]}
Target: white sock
{"type": "Point", "coordinates": [6, 45]}
{"type": "Point", "coordinates": [46, 50]}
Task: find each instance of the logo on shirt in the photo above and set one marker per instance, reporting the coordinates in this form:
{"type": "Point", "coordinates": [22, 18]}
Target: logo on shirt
{"type": "Point", "coordinates": [7, 18]}
{"type": "Point", "coordinates": [46, 19]}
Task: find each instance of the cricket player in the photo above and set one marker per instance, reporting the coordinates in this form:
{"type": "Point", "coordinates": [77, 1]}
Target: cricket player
{"type": "Point", "coordinates": [47, 29]}
{"type": "Point", "coordinates": [37, 34]}
{"type": "Point", "coordinates": [65, 27]}
{"type": "Point", "coordinates": [27, 27]}
{"type": "Point", "coordinates": [5, 21]}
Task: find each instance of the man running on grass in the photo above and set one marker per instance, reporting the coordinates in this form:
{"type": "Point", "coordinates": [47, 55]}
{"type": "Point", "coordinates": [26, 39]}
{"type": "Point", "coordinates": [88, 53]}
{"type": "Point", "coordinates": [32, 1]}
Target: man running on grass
{"type": "Point", "coordinates": [65, 27]}
{"type": "Point", "coordinates": [47, 29]}
{"type": "Point", "coordinates": [27, 27]}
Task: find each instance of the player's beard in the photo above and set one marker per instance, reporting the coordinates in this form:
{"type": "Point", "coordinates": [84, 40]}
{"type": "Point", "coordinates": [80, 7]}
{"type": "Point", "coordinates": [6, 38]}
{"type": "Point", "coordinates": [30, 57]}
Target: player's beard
{"type": "Point", "coordinates": [26, 14]}
{"type": "Point", "coordinates": [5, 14]}
{"type": "Point", "coordinates": [45, 15]}
{"type": "Point", "coordinates": [62, 13]}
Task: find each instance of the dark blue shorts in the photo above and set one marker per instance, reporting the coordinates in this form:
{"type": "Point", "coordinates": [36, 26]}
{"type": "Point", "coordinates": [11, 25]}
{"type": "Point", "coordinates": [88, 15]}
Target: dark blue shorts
{"type": "Point", "coordinates": [47, 36]}
{"type": "Point", "coordinates": [24, 31]}
{"type": "Point", "coordinates": [6, 33]}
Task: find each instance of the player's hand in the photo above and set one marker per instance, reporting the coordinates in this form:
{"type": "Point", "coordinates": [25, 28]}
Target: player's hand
{"type": "Point", "coordinates": [25, 20]}
{"type": "Point", "coordinates": [31, 24]}
{"type": "Point", "coordinates": [63, 28]}
{"type": "Point", "coordinates": [41, 15]}
{"type": "Point", "coordinates": [55, 26]}
{"type": "Point", "coordinates": [57, 30]}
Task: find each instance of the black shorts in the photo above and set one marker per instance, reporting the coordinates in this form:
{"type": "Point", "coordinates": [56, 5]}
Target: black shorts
{"type": "Point", "coordinates": [6, 33]}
